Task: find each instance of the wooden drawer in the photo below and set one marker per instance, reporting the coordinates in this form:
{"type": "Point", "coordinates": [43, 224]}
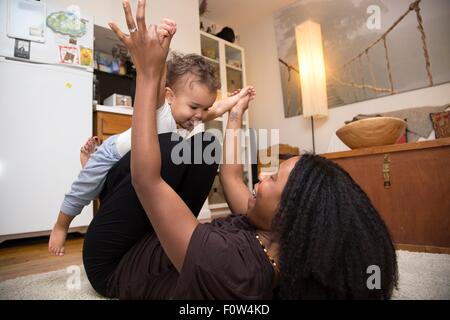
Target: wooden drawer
{"type": "Point", "coordinates": [112, 123]}
{"type": "Point", "coordinates": [108, 124]}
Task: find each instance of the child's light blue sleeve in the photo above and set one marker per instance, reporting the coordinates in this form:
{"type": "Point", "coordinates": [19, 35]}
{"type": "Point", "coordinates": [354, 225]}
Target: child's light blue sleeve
{"type": "Point", "coordinates": [92, 177]}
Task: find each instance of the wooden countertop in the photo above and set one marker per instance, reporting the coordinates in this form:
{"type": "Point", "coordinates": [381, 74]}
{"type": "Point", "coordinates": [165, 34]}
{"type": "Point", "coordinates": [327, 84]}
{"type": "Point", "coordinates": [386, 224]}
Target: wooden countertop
{"type": "Point", "coordinates": [388, 149]}
{"type": "Point", "coordinates": [116, 109]}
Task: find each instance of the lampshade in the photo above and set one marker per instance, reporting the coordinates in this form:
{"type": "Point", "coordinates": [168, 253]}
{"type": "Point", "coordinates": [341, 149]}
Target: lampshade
{"type": "Point", "coordinates": [312, 69]}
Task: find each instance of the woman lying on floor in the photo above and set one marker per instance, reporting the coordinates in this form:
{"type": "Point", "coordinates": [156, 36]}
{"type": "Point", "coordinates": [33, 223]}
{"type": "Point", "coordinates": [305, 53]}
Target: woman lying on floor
{"type": "Point", "coordinates": [308, 231]}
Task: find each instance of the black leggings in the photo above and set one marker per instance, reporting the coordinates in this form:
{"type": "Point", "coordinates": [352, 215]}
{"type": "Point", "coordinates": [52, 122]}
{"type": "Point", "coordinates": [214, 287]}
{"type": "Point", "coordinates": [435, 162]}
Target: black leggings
{"type": "Point", "coordinates": [121, 220]}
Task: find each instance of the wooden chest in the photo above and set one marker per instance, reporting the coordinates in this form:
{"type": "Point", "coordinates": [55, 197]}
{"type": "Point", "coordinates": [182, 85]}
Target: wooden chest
{"type": "Point", "coordinates": [409, 184]}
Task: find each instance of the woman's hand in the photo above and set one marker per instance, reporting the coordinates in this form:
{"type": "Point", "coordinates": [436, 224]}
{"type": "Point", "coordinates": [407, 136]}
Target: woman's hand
{"type": "Point", "coordinates": [148, 47]}
{"type": "Point", "coordinates": [242, 105]}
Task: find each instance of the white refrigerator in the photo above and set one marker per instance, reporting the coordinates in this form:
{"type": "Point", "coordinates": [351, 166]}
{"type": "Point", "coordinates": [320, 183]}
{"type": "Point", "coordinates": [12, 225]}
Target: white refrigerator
{"type": "Point", "coordinates": [45, 112]}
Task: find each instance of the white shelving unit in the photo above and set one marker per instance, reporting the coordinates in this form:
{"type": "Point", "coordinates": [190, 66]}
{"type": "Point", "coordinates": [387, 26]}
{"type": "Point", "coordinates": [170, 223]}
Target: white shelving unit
{"type": "Point", "coordinates": [230, 65]}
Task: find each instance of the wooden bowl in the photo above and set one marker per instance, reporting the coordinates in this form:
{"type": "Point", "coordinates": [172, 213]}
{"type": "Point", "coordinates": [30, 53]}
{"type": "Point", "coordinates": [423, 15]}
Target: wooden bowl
{"type": "Point", "coordinates": [371, 132]}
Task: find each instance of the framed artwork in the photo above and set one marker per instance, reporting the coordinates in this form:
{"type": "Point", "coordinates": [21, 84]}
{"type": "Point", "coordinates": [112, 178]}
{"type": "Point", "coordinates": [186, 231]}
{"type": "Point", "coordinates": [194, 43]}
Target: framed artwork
{"type": "Point", "coordinates": [372, 48]}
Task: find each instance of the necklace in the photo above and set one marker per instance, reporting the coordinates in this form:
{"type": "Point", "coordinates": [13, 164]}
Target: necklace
{"type": "Point", "coordinates": [272, 261]}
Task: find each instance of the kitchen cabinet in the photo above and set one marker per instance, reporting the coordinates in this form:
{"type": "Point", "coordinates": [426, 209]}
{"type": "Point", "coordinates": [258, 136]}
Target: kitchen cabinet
{"type": "Point", "coordinates": [109, 121]}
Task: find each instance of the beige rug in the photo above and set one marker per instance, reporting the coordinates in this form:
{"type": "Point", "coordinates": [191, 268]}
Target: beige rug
{"type": "Point", "coordinates": [422, 276]}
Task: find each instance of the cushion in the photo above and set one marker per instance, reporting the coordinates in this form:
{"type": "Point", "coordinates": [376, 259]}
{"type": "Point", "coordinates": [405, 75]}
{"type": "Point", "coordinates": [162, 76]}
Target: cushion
{"type": "Point", "coordinates": [441, 123]}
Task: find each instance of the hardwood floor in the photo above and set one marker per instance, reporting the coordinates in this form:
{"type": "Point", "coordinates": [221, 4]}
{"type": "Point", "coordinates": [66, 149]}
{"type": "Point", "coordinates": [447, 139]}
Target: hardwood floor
{"type": "Point", "coordinates": [23, 257]}
{"type": "Point", "coordinates": [30, 256]}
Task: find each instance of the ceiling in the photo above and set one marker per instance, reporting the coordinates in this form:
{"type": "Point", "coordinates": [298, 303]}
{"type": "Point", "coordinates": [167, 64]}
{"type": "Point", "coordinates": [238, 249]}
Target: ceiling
{"type": "Point", "coordinates": [239, 13]}
{"type": "Point", "coordinates": [234, 13]}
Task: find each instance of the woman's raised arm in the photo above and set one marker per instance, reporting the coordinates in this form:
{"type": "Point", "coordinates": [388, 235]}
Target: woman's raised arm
{"type": "Point", "coordinates": [171, 218]}
{"type": "Point", "coordinates": [231, 169]}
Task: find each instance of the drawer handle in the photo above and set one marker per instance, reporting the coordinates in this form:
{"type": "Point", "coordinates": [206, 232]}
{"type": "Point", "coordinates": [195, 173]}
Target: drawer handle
{"type": "Point", "coordinates": [387, 171]}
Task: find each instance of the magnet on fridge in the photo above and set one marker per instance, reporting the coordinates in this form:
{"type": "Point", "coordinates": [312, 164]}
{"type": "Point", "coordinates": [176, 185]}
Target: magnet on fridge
{"type": "Point", "coordinates": [36, 32]}
{"type": "Point", "coordinates": [86, 56]}
{"type": "Point", "coordinates": [69, 54]}
{"type": "Point", "coordinates": [22, 49]}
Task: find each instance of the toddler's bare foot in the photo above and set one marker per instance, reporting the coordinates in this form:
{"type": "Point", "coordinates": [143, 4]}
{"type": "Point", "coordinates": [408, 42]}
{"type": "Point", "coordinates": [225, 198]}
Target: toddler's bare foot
{"type": "Point", "coordinates": [87, 149]}
{"type": "Point", "coordinates": [57, 240]}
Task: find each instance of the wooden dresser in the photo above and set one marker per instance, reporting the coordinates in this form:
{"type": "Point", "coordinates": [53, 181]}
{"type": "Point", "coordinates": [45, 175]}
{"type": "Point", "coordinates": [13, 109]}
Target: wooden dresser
{"type": "Point", "coordinates": [409, 184]}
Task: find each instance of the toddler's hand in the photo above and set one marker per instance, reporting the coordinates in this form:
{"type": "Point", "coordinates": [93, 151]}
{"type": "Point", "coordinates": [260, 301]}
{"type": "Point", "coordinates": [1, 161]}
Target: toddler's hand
{"type": "Point", "coordinates": [245, 91]}
{"type": "Point", "coordinates": [252, 93]}
{"type": "Point", "coordinates": [166, 28]}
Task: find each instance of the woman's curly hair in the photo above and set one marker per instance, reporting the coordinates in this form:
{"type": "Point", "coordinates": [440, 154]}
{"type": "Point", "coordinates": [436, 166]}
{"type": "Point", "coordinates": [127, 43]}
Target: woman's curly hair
{"type": "Point", "coordinates": [329, 234]}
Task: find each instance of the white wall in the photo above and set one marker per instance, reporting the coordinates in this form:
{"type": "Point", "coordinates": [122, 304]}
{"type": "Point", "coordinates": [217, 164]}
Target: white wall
{"type": "Point", "coordinates": [184, 12]}
{"type": "Point", "coordinates": [266, 111]}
